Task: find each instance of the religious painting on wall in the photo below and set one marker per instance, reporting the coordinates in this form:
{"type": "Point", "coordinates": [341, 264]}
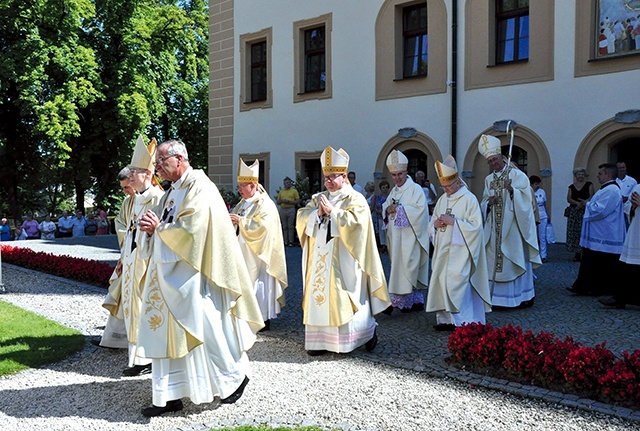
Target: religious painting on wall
{"type": "Point", "coordinates": [618, 27]}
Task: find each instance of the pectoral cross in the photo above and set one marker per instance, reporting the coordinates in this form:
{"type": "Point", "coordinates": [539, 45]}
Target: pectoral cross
{"type": "Point", "coordinates": [449, 213]}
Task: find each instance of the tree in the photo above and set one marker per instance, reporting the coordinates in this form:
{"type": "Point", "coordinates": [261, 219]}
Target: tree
{"type": "Point", "coordinates": [81, 79]}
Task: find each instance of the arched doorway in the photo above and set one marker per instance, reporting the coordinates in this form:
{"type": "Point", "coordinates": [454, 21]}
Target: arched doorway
{"type": "Point", "coordinates": [628, 150]}
{"type": "Point", "coordinates": [611, 141]}
{"type": "Point", "coordinates": [421, 151]}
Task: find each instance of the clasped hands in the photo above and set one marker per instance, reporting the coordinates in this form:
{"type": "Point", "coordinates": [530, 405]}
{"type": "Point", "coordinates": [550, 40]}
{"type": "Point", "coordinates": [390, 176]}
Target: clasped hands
{"type": "Point", "coordinates": [391, 209]}
{"type": "Point", "coordinates": [235, 219]}
{"type": "Point", "coordinates": [444, 220]}
{"type": "Point", "coordinates": [148, 222]}
{"type": "Point", "coordinates": [324, 206]}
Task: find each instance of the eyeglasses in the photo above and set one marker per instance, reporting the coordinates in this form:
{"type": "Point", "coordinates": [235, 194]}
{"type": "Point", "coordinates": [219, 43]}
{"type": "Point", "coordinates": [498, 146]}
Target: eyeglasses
{"type": "Point", "coordinates": [449, 186]}
{"type": "Point", "coordinates": [239, 186]}
{"type": "Point", "coordinates": [161, 160]}
{"type": "Point", "coordinates": [332, 177]}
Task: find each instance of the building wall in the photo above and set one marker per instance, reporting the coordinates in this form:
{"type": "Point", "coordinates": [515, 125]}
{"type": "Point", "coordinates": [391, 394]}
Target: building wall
{"type": "Point", "coordinates": [564, 104]}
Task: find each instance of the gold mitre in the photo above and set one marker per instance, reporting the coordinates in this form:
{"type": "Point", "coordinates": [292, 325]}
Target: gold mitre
{"type": "Point", "coordinates": [334, 162]}
{"type": "Point", "coordinates": [447, 170]}
{"type": "Point", "coordinates": [397, 162]}
{"type": "Point", "coordinates": [248, 174]}
{"type": "Point", "coordinates": [143, 155]}
{"type": "Point", "coordinates": [489, 146]}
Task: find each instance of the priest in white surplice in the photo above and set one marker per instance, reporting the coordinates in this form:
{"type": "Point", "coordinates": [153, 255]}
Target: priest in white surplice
{"type": "Point", "coordinates": [114, 335]}
{"type": "Point", "coordinates": [510, 234]}
{"type": "Point", "coordinates": [344, 283]}
{"type": "Point", "coordinates": [459, 287]}
{"type": "Point", "coordinates": [134, 260]}
{"type": "Point", "coordinates": [257, 224]}
{"type": "Point", "coordinates": [406, 214]}
{"type": "Point", "coordinates": [199, 314]}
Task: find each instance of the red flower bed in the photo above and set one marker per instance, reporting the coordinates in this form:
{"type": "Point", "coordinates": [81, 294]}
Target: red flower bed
{"type": "Point", "coordinates": [74, 268]}
{"type": "Point", "coordinates": [543, 360]}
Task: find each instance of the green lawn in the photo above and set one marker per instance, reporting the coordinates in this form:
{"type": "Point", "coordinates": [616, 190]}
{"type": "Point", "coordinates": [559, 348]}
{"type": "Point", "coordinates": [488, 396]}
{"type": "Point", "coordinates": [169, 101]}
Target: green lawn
{"type": "Point", "coordinates": [28, 340]}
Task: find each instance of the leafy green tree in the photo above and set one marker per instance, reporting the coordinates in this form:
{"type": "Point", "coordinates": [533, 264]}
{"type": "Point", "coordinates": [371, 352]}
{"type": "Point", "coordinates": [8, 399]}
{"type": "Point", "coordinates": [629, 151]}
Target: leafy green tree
{"type": "Point", "coordinates": [46, 77]}
{"type": "Point", "coordinates": [81, 79]}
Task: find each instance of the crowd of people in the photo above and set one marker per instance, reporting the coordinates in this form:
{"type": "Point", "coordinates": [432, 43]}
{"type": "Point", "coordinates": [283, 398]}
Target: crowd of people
{"type": "Point", "coordinates": [66, 226]}
{"type": "Point", "coordinates": [196, 282]}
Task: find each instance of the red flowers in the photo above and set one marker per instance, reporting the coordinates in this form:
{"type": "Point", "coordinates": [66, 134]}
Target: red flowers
{"type": "Point", "coordinates": [543, 360]}
{"type": "Point", "coordinates": [84, 270]}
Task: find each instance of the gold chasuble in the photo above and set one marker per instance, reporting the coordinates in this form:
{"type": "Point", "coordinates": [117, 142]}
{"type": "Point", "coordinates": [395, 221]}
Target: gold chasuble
{"type": "Point", "coordinates": [332, 248]}
{"type": "Point", "coordinates": [261, 230]}
{"type": "Point", "coordinates": [135, 261]}
{"type": "Point", "coordinates": [195, 254]}
{"type": "Point", "coordinates": [113, 298]}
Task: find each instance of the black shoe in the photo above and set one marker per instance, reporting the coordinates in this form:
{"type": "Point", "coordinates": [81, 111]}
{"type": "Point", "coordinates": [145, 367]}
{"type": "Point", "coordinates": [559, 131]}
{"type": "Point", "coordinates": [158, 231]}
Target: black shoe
{"type": "Point", "coordinates": [388, 310]}
{"type": "Point", "coordinates": [417, 307]}
{"type": "Point", "coordinates": [172, 406]}
{"type": "Point", "coordinates": [373, 342]}
{"type": "Point", "coordinates": [237, 394]}
{"type": "Point", "coordinates": [137, 370]}
{"type": "Point", "coordinates": [97, 344]}
{"type": "Point", "coordinates": [444, 327]}
{"type": "Point", "coordinates": [316, 352]}
{"type": "Point", "coordinates": [526, 304]}
{"type": "Point", "coordinates": [267, 325]}
{"type": "Point", "coordinates": [610, 301]}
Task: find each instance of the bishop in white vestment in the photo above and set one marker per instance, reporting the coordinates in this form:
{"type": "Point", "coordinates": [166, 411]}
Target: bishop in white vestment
{"type": "Point", "coordinates": [199, 313]}
{"type": "Point", "coordinates": [459, 287]}
{"type": "Point", "coordinates": [257, 224]}
{"type": "Point", "coordinates": [344, 283]}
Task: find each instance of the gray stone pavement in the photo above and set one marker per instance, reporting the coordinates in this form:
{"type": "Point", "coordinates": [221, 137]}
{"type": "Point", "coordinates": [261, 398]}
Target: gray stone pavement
{"type": "Point", "coordinates": [408, 340]}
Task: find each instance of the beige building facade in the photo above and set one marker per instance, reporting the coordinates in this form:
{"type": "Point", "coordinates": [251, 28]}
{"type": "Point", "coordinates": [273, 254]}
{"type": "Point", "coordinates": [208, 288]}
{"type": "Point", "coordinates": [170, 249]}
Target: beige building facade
{"type": "Point", "coordinates": [427, 77]}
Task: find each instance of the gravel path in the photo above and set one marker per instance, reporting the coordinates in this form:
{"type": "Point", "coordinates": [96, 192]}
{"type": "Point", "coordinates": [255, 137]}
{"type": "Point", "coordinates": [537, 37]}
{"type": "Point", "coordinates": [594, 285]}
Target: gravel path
{"type": "Point", "coordinates": [287, 386]}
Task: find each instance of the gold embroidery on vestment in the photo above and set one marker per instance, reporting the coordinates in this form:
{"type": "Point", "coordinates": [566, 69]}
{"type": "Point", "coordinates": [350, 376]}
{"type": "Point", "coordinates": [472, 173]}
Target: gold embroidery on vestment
{"type": "Point", "coordinates": [154, 303]}
{"type": "Point", "coordinates": [497, 185]}
{"type": "Point", "coordinates": [319, 279]}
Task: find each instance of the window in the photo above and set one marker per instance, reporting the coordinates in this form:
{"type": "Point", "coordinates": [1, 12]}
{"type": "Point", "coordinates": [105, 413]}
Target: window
{"type": "Point", "coordinates": [312, 47]}
{"type": "Point", "coordinates": [519, 157]}
{"type": "Point", "coordinates": [308, 166]}
{"type": "Point", "coordinates": [415, 41]}
{"type": "Point", "coordinates": [411, 37]}
{"type": "Point", "coordinates": [256, 70]}
{"type": "Point", "coordinates": [314, 60]}
{"type": "Point", "coordinates": [259, 71]}
{"type": "Point", "coordinates": [512, 31]}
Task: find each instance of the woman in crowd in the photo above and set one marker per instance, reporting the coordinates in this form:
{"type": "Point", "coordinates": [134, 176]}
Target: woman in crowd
{"type": "Point", "coordinates": [103, 224]}
{"type": "Point", "coordinates": [580, 191]}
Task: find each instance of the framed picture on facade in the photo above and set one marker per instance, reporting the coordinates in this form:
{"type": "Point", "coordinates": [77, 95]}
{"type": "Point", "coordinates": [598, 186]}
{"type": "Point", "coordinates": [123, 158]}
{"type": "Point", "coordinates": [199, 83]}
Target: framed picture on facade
{"type": "Point", "coordinates": [617, 27]}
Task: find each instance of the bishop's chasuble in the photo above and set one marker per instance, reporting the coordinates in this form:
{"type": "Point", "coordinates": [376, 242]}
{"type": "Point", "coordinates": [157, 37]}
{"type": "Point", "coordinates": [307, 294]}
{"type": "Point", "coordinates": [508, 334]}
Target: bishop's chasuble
{"type": "Point", "coordinates": [262, 245]}
{"type": "Point", "coordinates": [344, 283]}
{"type": "Point", "coordinates": [510, 236]}
{"type": "Point", "coordinates": [199, 314]}
{"type": "Point", "coordinates": [459, 282]}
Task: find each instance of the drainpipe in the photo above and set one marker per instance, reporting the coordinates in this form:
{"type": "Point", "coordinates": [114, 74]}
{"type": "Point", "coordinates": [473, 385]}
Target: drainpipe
{"type": "Point", "coordinates": [454, 78]}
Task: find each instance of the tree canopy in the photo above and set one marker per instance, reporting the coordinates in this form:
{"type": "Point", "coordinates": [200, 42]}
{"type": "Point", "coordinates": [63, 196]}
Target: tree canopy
{"type": "Point", "coordinates": [80, 80]}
